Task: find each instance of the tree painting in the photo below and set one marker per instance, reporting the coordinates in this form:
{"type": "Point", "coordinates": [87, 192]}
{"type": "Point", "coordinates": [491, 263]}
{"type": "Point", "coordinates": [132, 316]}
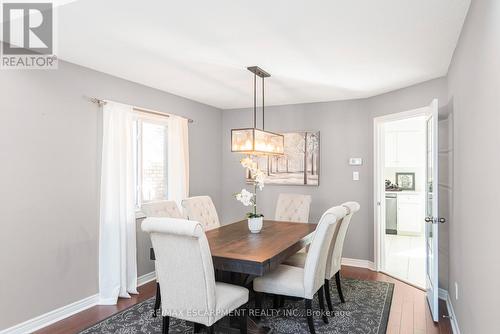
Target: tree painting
{"type": "Point", "coordinates": [300, 165]}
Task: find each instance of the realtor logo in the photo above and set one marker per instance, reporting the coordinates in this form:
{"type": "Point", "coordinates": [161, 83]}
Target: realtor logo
{"type": "Point", "coordinates": [28, 36]}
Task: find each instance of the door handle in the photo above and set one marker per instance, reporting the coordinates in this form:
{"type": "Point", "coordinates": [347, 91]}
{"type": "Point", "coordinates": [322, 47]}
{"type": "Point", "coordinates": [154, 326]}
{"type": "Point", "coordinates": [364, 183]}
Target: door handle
{"type": "Point", "coordinates": [432, 220]}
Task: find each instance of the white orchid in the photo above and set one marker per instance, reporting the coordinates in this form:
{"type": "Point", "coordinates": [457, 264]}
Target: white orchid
{"type": "Point", "coordinates": [257, 177]}
{"type": "Point", "coordinates": [245, 197]}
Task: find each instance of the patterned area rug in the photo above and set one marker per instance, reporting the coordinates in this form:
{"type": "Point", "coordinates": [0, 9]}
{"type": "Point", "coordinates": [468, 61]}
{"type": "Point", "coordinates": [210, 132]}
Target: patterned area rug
{"type": "Point", "coordinates": [366, 311]}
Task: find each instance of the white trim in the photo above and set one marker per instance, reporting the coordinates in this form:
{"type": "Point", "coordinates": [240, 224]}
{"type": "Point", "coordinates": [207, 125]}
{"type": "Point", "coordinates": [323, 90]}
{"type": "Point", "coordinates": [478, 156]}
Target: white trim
{"type": "Point", "coordinates": [444, 295]}
{"type": "Point", "coordinates": [61, 313]}
{"type": "Point", "coordinates": [146, 278]}
{"type": "Point", "coordinates": [358, 263]}
{"type": "Point", "coordinates": [378, 190]}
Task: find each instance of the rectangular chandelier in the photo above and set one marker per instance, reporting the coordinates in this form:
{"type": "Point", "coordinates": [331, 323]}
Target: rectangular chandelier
{"type": "Point", "coordinates": [253, 141]}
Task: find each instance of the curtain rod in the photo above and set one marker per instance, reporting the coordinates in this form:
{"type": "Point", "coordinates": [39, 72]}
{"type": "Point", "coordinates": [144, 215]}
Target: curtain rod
{"type": "Point", "coordinates": [101, 102]}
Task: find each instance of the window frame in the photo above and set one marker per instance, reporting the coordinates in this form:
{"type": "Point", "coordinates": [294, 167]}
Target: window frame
{"type": "Point", "coordinates": [139, 120]}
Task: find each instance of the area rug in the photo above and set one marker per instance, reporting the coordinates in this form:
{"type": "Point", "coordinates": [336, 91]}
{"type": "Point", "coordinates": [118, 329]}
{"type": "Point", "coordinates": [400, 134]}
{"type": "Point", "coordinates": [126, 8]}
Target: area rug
{"type": "Point", "coordinates": [366, 311]}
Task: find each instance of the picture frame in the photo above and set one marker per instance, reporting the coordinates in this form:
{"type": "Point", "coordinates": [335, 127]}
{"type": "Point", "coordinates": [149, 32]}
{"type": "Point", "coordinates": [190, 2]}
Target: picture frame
{"type": "Point", "coordinates": [405, 181]}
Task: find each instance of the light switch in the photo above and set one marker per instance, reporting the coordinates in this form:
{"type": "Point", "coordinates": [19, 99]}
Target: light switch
{"type": "Point", "coordinates": [355, 176]}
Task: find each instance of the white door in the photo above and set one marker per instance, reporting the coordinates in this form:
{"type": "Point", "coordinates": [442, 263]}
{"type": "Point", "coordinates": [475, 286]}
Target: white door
{"type": "Point", "coordinates": [431, 210]}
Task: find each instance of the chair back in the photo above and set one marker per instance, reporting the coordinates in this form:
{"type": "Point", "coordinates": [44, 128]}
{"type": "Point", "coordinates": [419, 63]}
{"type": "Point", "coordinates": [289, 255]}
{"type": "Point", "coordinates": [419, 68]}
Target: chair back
{"type": "Point", "coordinates": [184, 268]}
{"type": "Point", "coordinates": [293, 208]}
{"type": "Point", "coordinates": [161, 209]}
{"type": "Point", "coordinates": [315, 265]}
{"type": "Point", "coordinates": [201, 209]}
{"type": "Point", "coordinates": [334, 260]}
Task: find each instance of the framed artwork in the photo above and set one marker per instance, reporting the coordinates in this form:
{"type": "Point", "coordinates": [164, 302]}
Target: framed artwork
{"type": "Point", "coordinates": [405, 181]}
{"type": "Point", "coordinates": [300, 165]}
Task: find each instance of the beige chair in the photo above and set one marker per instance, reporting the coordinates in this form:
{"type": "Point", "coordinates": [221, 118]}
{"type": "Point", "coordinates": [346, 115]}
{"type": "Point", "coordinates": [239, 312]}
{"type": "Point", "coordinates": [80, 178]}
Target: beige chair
{"type": "Point", "coordinates": [293, 208]}
{"type": "Point", "coordinates": [167, 209]}
{"type": "Point", "coordinates": [161, 209]}
{"type": "Point", "coordinates": [334, 260]}
{"type": "Point", "coordinates": [201, 209]}
{"type": "Point", "coordinates": [304, 282]}
{"type": "Point", "coordinates": [186, 274]}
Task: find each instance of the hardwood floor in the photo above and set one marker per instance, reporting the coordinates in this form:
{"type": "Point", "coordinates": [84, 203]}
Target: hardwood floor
{"type": "Point", "coordinates": [409, 311]}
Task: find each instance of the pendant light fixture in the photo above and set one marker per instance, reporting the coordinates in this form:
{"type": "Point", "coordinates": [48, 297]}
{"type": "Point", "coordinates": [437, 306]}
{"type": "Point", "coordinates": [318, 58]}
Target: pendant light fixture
{"type": "Point", "coordinates": [253, 141]}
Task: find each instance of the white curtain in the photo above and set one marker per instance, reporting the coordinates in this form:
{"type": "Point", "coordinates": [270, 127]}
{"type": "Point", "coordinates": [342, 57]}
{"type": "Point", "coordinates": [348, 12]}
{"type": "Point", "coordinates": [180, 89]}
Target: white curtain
{"type": "Point", "coordinates": [178, 159]}
{"type": "Point", "coordinates": [117, 239]}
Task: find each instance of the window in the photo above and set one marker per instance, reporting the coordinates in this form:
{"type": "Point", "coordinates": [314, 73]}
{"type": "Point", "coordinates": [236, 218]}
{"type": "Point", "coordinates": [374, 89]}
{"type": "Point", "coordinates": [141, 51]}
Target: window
{"type": "Point", "coordinates": [151, 159]}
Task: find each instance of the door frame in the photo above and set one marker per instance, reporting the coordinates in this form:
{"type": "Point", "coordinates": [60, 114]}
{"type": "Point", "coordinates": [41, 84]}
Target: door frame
{"type": "Point", "coordinates": [378, 178]}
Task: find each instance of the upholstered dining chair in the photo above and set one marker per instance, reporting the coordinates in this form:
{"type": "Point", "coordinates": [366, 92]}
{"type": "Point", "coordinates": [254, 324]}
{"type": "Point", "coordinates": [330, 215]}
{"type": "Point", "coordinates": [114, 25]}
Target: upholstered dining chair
{"type": "Point", "coordinates": [167, 209]}
{"type": "Point", "coordinates": [304, 282]}
{"type": "Point", "coordinates": [293, 208]}
{"type": "Point", "coordinates": [201, 209]}
{"type": "Point", "coordinates": [334, 260]}
{"type": "Point", "coordinates": [186, 274]}
{"type": "Point", "coordinates": [161, 209]}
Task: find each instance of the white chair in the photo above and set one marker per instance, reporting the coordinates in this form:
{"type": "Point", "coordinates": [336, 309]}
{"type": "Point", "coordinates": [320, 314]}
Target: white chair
{"type": "Point", "coordinates": [161, 209]}
{"type": "Point", "coordinates": [304, 282]}
{"type": "Point", "coordinates": [167, 209]}
{"type": "Point", "coordinates": [293, 208]}
{"type": "Point", "coordinates": [334, 260]}
{"type": "Point", "coordinates": [201, 209]}
{"type": "Point", "coordinates": [186, 274]}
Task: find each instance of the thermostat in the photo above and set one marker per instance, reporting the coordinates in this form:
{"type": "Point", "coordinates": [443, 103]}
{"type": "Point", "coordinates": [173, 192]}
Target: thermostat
{"type": "Point", "coordinates": [355, 161]}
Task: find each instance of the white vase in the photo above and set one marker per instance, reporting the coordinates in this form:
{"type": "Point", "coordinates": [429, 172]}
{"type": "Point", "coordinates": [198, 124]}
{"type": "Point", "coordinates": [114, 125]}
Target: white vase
{"type": "Point", "coordinates": [255, 224]}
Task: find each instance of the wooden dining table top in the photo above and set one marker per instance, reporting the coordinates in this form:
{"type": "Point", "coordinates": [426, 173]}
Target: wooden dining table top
{"type": "Point", "coordinates": [234, 248]}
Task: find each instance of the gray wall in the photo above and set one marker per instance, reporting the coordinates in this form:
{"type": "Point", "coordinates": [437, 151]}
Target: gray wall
{"type": "Point", "coordinates": [49, 172]}
{"type": "Point", "coordinates": [346, 131]}
{"type": "Point", "coordinates": [474, 87]}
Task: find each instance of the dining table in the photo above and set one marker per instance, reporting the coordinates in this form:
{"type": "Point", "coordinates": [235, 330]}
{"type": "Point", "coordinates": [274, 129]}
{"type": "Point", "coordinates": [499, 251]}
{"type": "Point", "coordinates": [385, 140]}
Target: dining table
{"type": "Point", "coordinates": [239, 255]}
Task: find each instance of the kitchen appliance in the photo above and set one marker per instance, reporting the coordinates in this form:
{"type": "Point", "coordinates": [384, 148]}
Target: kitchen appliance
{"type": "Point", "coordinates": [391, 213]}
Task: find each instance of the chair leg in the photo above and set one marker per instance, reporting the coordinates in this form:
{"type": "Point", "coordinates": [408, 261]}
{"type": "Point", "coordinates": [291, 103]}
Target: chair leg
{"type": "Point", "coordinates": [282, 301]}
{"type": "Point", "coordinates": [322, 305]}
{"type": "Point", "coordinates": [258, 304]}
{"type": "Point", "coordinates": [243, 321]}
{"type": "Point", "coordinates": [310, 321]}
{"type": "Point", "coordinates": [276, 301]}
{"type": "Point", "coordinates": [197, 327]}
{"type": "Point", "coordinates": [326, 287]}
{"type": "Point", "coordinates": [211, 330]}
{"type": "Point", "coordinates": [339, 287]}
{"type": "Point", "coordinates": [166, 323]}
{"type": "Point", "coordinates": [157, 300]}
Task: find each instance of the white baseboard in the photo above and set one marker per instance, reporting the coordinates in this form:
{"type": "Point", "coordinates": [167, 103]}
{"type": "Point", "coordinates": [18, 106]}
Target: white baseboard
{"type": "Point", "coordinates": [358, 263]}
{"type": "Point", "coordinates": [141, 280]}
{"type": "Point", "coordinates": [61, 313]}
{"type": "Point", "coordinates": [444, 295]}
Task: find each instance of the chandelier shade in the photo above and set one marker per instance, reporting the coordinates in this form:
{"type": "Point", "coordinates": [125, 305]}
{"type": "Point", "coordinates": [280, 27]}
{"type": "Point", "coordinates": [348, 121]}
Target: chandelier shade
{"type": "Point", "coordinates": [253, 141]}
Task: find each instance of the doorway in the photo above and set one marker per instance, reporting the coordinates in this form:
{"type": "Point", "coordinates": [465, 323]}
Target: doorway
{"type": "Point", "coordinates": [400, 173]}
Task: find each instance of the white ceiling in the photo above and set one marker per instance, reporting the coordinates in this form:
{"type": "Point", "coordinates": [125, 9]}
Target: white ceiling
{"type": "Point", "coordinates": [315, 50]}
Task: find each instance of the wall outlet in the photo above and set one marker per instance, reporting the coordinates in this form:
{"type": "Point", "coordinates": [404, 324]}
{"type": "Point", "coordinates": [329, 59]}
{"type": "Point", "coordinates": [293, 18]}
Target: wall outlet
{"type": "Point", "coordinates": [456, 291]}
{"type": "Point", "coordinates": [355, 176]}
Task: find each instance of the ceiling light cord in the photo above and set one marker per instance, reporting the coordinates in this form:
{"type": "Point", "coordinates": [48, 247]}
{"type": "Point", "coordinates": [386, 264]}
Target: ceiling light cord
{"type": "Point", "coordinates": [254, 100]}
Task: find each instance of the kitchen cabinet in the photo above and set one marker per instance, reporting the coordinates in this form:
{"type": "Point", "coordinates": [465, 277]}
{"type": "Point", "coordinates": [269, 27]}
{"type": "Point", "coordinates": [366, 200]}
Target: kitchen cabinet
{"type": "Point", "coordinates": [404, 148]}
{"type": "Point", "coordinates": [410, 214]}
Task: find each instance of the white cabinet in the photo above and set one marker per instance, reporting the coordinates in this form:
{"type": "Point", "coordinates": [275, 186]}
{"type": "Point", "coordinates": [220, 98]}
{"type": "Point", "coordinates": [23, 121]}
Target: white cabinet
{"type": "Point", "coordinates": [410, 214]}
{"type": "Point", "coordinates": [404, 148]}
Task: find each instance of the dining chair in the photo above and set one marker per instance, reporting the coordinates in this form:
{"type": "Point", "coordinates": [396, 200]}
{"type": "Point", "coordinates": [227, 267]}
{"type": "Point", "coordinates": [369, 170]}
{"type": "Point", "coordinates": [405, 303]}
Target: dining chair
{"type": "Point", "coordinates": [293, 208]}
{"type": "Point", "coordinates": [201, 209]}
{"type": "Point", "coordinates": [334, 260]}
{"type": "Point", "coordinates": [186, 273]}
{"type": "Point", "coordinates": [160, 209]}
{"type": "Point", "coordinates": [304, 282]}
